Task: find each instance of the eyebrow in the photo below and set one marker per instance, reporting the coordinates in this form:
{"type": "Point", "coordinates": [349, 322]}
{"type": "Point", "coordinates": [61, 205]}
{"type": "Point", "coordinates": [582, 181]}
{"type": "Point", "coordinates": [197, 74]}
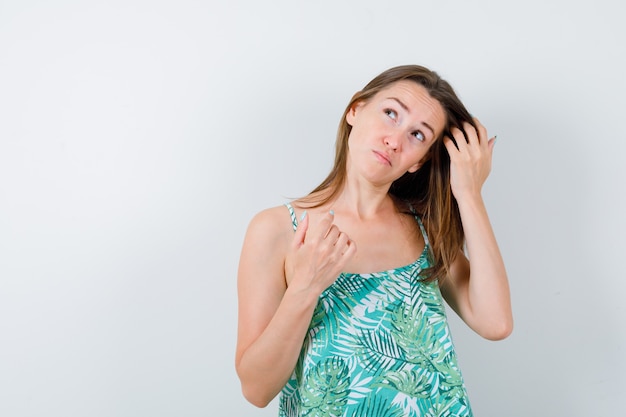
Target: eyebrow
{"type": "Point", "coordinates": [404, 106]}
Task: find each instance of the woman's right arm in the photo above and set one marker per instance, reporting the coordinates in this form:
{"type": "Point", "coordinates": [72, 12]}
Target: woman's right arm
{"type": "Point", "coordinates": [280, 279]}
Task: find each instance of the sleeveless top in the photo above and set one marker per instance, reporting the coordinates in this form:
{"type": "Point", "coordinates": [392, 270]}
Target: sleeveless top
{"type": "Point", "coordinates": [378, 346]}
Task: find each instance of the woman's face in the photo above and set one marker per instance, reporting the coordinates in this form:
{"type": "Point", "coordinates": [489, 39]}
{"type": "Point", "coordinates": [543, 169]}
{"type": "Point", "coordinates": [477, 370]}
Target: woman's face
{"type": "Point", "coordinates": [393, 131]}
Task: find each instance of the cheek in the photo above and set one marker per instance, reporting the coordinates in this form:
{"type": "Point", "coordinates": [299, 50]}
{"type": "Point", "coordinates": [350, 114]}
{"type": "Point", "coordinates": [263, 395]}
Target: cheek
{"type": "Point", "coordinates": [424, 154]}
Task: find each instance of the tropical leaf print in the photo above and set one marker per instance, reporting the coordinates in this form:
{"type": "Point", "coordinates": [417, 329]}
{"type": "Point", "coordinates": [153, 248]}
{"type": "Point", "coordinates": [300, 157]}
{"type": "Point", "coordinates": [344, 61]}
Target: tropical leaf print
{"type": "Point", "coordinates": [290, 400]}
{"type": "Point", "coordinates": [325, 389]}
{"type": "Point", "coordinates": [379, 351]}
{"type": "Point", "coordinates": [360, 387]}
{"type": "Point", "coordinates": [377, 406]}
{"type": "Point", "coordinates": [409, 382]}
{"type": "Point", "coordinates": [354, 285]}
{"type": "Point", "coordinates": [447, 407]}
{"type": "Point", "coordinates": [449, 369]}
{"type": "Point", "coordinates": [409, 325]}
{"type": "Point", "coordinates": [322, 326]}
{"type": "Point", "coordinates": [378, 345]}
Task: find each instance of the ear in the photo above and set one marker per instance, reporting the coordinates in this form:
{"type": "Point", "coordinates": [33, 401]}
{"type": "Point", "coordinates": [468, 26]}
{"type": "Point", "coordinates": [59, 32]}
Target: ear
{"type": "Point", "coordinates": [352, 112]}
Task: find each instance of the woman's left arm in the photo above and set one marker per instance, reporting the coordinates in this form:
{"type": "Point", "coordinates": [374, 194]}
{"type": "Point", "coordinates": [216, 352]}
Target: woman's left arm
{"type": "Point", "coordinates": [477, 289]}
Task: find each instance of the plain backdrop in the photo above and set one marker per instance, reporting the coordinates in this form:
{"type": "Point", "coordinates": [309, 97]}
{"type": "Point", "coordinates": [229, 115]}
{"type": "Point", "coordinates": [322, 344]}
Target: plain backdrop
{"type": "Point", "coordinates": [138, 138]}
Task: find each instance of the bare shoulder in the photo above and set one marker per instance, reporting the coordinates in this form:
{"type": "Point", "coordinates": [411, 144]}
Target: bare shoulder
{"type": "Point", "coordinates": [266, 243]}
{"type": "Point", "coordinates": [270, 224]}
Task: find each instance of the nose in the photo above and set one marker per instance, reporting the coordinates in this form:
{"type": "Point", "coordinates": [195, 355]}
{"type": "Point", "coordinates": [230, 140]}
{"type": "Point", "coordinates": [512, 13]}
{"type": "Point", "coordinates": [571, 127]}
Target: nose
{"type": "Point", "coordinates": [393, 141]}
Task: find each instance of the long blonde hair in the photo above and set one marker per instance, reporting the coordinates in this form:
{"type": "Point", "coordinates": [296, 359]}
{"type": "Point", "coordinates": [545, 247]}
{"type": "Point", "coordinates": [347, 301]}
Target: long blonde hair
{"type": "Point", "coordinates": [426, 191]}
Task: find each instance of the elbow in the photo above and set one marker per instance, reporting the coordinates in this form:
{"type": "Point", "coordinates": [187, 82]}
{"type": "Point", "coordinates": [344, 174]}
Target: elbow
{"type": "Point", "coordinates": [256, 396]}
{"type": "Point", "coordinates": [498, 331]}
{"type": "Point", "coordinates": [497, 335]}
{"type": "Point", "coordinates": [256, 386]}
{"type": "Point", "coordinates": [255, 390]}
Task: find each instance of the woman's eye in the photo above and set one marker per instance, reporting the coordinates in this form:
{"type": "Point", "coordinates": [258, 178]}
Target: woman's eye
{"type": "Point", "coordinates": [391, 113]}
{"type": "Point", "coordinates": [419, 136]}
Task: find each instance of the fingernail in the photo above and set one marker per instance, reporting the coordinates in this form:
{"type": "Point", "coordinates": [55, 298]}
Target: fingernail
{"type": "Point", "coordinates": [495, 138]}
{"type": "Point", "coordinates": [332, 212]}
{"type": "Point", "coordinates": [303, 215]}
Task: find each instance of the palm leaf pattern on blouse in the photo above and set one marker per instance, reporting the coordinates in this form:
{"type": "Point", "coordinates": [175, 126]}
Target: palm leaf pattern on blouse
{"type": "Point", "coordinates": [325, 391]}
{"type": "Point", "coordinates": [377, 406]}
{"type": "Point", "coordinates": [378, 345]}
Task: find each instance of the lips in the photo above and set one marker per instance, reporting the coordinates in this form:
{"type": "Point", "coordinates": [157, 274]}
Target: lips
{"type": "Point", "coordinates": [382, 157]}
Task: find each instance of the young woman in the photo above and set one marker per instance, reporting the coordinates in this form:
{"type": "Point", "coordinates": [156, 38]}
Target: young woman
{"type": "Point", "coordinates": [340, 292]}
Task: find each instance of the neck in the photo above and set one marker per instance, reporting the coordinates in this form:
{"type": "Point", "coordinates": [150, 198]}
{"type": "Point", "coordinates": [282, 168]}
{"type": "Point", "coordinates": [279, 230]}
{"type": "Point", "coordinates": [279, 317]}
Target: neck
{"type": "Point", "coordinates": [364, 200]}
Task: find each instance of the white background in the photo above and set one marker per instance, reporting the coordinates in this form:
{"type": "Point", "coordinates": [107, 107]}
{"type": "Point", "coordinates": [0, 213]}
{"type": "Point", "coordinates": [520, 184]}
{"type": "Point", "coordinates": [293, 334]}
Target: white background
{"type": "Point", "coordinates": [138, 138]}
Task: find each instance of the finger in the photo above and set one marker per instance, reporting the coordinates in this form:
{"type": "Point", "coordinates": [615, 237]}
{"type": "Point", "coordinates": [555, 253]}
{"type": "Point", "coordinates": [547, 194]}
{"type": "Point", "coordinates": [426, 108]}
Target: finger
{"type": "Point", "coordinates": [458, 137]}
{"type": "Point", "coordinates": [350, 250]}
{"type": "Point", "coordinates": [471, 133]}
{"type": "Point", "coordinates": [303, 226]}
{"type": "Point", "coordinates": [492, 143]}
{"type": "Point", "coordinates": [345, 249]}
{"type": "Point", "coordinates": [333, 234]}
{"type": "Point", "coordinates": [342, 241]}
{"type": "Point", "coordinates": [482, 132]}
{"type": "Point", "coordinates": [326, 224]}
{"type": "Point", "coordinates": [450, 146]}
